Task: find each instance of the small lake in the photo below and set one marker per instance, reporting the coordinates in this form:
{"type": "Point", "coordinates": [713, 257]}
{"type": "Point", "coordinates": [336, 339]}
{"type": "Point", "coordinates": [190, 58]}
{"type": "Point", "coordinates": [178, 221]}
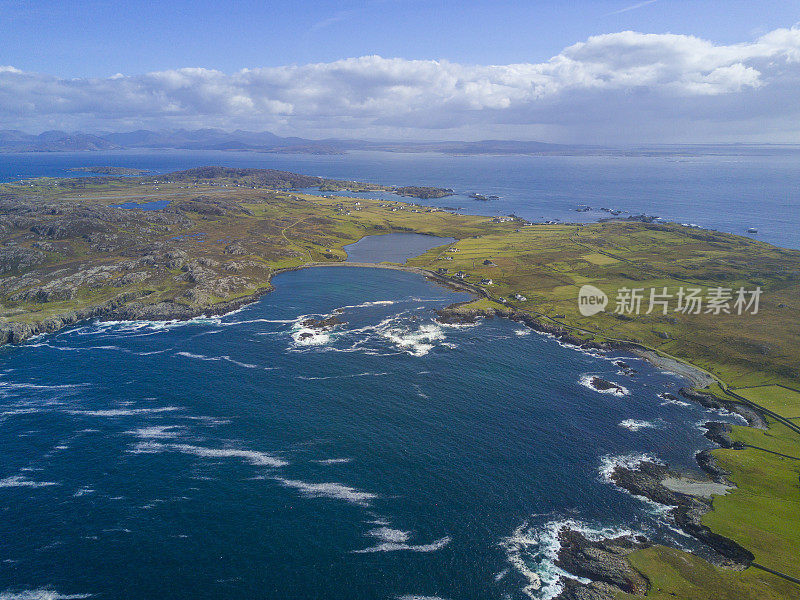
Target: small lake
{"type": "Point", "coordinates": [154, 205]}
{"type": "Point", "coordinates": [393, 247]}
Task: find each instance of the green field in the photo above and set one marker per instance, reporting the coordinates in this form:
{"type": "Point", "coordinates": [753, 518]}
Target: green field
{"type": "Point", "coordinates": [782, 400]}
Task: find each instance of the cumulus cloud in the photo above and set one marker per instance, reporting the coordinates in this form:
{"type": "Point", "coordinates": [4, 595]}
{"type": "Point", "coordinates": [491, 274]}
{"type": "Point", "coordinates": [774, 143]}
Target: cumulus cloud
{"type": "Point", "coordinates": [608, 86]}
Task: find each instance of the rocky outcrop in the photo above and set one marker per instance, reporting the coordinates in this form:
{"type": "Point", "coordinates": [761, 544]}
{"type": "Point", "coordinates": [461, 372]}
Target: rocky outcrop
{"type": "Point", "coordinates": [720, 434]}
{"type": "Point", "coordinates": [423, 192]}
{"type": "Point", "coordinates": [603, 385]}
{"type": "Point", "coordinates": [648, 480]}
{"type": "Point", "coordinates": [16, 258]}
{"type": "Point", "coordinates": [323, 324]}
{"type": "Point", "coordinates": [706, 461]}
{"type": "Point", "coordinates": [753, 417]}
{"type": "Point", "coordinates": [601, 561]}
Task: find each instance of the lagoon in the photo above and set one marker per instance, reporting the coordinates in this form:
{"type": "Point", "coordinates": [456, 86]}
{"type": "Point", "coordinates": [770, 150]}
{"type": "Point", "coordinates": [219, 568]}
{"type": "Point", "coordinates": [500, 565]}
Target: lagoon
{"type": "Point", "coordinates": [392, 247]}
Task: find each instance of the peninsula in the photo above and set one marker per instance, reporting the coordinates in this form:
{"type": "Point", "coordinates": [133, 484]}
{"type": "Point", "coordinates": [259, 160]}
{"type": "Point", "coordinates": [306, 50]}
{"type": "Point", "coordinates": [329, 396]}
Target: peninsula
{"type": "Point", "coordinates": [218, 235]}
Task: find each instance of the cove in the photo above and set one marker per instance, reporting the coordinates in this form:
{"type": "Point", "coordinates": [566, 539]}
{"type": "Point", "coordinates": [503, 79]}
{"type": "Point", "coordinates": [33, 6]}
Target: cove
{"type": "Point", "coordinates": [387, 456]}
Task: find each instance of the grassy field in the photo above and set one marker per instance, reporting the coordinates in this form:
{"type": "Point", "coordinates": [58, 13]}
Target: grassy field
{"type": "Point", "coordinates": [548, 264]}
{"type": "Point", "coordinates": [782, 400]}
{"type": "Point", "coordinates": [674, 574]}
{"type": "Point", "coordinates": [224, 238]}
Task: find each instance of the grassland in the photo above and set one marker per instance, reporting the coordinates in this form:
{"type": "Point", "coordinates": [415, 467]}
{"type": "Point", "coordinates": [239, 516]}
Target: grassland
{"type": "Point", "coordinates": [67, 252]}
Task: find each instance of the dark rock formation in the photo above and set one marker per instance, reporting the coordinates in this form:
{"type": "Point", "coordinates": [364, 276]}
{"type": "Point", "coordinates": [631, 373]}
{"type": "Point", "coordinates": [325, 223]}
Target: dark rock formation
{"type": "Point", "coordinates": [603, 385]}
{"type": "Point", "coordinates": [323, 324]}
{"type": "Point", "coordinates": [647, 480]}
{"type": "Point", "coordinates": [602, 561]}
{"type": "Point", "coordinates": [753, 418]}
{"type": "Point", "coordinates": [719, 433]}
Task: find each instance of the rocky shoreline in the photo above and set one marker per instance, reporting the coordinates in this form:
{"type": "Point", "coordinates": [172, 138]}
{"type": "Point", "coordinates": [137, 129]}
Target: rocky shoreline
{"type": "Point", "coordinates": [688, 494]}
{"type": "Point", "coordinates": [601, 561]}
{"type": "Point", "coordinates": [130, 307]}
{"type": "Point", "coordinates": [123, 308]}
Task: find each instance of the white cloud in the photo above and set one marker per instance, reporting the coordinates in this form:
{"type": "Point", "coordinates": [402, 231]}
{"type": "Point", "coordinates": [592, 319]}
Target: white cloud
{"type": "Point", "coordinates": [610, 87]}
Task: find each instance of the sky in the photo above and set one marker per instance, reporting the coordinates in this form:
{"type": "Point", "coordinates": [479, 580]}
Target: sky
{"type": "Point", "coordinates": [603, 71]}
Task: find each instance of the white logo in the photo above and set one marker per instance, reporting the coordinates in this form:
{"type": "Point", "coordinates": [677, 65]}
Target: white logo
{"type": "Point", "coordinates": [591, 300]}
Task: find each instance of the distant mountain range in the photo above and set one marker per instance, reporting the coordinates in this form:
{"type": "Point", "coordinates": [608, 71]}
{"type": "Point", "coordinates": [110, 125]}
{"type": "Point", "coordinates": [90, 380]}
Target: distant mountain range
{"type": "Point", "coordinates": [217, 139]}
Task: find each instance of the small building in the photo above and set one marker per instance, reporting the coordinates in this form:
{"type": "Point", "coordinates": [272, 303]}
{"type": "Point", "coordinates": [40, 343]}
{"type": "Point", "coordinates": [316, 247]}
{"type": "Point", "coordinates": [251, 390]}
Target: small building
{"type": "Point", "coordinates": [441, 270]}
{"type": "Point", "coordinates": [487, 282]}
{"type": "Point", "coordinates": [461, 274]}
{"type": "Point", "coordinates": [489, 263]}
{"type": "Point", "coordinates": [519, 298]}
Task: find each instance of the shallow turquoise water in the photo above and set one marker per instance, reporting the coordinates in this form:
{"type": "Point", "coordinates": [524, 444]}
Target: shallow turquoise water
{"type": "Point", "coordinates": [234, 457]}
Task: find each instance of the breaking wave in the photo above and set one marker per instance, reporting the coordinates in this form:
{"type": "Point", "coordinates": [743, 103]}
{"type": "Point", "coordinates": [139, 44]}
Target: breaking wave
{"type": "Point", "coordinates": [217, 358]}
{"type": "Point", "coordinates": [602, 386]}
{"type": "Point", "coordinates": [610, 462]}
{"type": "Point", "coordinates": [668, 398]}
{"type": "Point", "coordinates": [158, 432]}
{"type": "Point", "coordinates": [532, 553]}
{"type": "Point", "coordinates": [636, 424]}
{"type": "Point", "coordinates": [366, 374]}
{"type": "Point", "coordinates": [414, 342]}
{"type": "Point", "coordinates": [395, 546]}
{"type": "Point", "coordinates": [123, 412]}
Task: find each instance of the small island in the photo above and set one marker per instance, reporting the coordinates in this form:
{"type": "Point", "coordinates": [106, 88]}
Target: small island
{"type": "Point", "coordinates": [121, 171]}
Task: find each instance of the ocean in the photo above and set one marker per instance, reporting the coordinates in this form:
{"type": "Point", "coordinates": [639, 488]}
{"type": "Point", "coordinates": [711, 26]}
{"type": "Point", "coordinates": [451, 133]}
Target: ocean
{"type": "Point", "coordinates": [732, 193]}
{"type": "Point", "coordinates": [247, 456]}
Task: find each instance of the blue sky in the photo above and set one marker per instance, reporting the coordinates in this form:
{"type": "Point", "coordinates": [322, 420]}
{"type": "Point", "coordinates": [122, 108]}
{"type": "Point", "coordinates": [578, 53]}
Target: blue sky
{"type": "Point", "coordinates": [607, 71]}
{"type": "Point", "coordinates": [100, 38]}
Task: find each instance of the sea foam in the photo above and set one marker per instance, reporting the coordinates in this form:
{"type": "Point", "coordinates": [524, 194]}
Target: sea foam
{"type": "Point", "coordinates": [22, 481]}
{"type": "Point", "coordinates": [40, 594]}
{"type": "Point", "coordinates": [256, 458]}
{"type": "Point", "coordinates": [636, 424]}
{"type": "Point", "coordinates": [394, 540]}
{"type": "Point", "coordinates": [610, 462]}
{"type": "Point", "coordinates": [533, 551]}
{"type": "Point", "coordinates": [332, 490]}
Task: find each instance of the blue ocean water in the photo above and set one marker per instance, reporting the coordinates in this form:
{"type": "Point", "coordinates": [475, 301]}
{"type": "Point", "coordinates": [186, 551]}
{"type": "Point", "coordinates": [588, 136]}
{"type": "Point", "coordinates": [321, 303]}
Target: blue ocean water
{"type": "Point", "coordinates": [730, 193]}
{"type": "Point", "coordinates": [248, 456]}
